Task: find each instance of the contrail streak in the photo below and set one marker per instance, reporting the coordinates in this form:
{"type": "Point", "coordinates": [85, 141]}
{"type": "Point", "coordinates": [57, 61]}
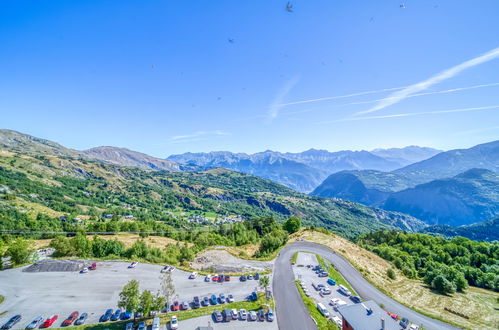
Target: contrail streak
{"type": "Point", "coordinates": [410, 114]}
{"type": "Point", "coordinates": [444, 75]}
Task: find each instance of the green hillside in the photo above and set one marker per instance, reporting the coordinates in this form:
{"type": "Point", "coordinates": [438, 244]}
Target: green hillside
{"type": "Point", "coordinates": [52, 186]}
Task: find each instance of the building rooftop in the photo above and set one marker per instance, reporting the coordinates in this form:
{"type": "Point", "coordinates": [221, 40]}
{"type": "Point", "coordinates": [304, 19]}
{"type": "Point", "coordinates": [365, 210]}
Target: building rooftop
{"type": "Point", "coordinates": [367, 316]}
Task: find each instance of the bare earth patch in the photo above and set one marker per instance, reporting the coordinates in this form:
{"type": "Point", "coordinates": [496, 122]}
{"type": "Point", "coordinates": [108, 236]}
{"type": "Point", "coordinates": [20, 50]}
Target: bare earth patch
{"type": "Point", "coordinates": [480, 305]}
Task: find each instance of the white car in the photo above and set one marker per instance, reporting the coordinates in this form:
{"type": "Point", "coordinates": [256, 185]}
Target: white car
{"type": "Point", "coordinates": [413, 327]}
{"type": "Point", "coordinates": [333, 301]}
{"type": "Point", "coordinates": [234, 314]}
{"type": "Point", "coordinates": [84, 270]}
{"type": "Point", "coordinates": [242, 314]}
{"type": "Point", "coordinates": [337, 320]}
{"type": "Point", "coordinates": [193, 275]}
{"type": "Point", "coordinates": [133, 264]}
{"type": "Point", "coordinates": [306, 292]}
{"type": "Point", "coordinates": [207, 278]}
{"type": "Point", "coordinates": [167, 268]}
{"type": "Point", "coordinates": [252, 316]}
{"type": "Point", "coordinates": [174, 323]}
{"type": "Point", "coordinates": [35, 323]}
{"type": "Point", "coordinates": [339, 304]}
{"type": "Point", "coordinates": [230, 298]}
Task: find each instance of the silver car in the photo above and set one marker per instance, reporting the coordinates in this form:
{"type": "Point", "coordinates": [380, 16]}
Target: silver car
{"type": "Point", "coordinates": [35, 323]}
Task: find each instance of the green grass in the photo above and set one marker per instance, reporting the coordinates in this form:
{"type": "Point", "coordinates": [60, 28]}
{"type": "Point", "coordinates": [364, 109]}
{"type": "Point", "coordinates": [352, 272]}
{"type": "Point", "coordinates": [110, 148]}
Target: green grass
{"type": "Point", "coordinates": [322, 322]}
{"type": "Point", "coordinates": [184, 315]}
{"type": "Point", "coordinates": [335, 275]}
{"type": "Point", "coordinates": [2, 298]}
{"type": "Point", "coordinates": [294, 257]}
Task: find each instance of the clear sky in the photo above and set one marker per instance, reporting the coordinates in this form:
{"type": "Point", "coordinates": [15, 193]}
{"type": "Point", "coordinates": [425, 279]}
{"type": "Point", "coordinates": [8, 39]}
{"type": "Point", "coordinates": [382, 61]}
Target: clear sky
{"type": "Point", "coordinates": [165, 77]}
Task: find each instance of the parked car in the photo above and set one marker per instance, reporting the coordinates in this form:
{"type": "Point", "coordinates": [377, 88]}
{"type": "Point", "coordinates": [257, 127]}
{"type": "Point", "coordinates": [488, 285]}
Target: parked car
{"type": "Point", "coordinates": [126, 315]}
{"type": "Point", "coordinates": [230, 298]}
{"type": "Point", "coordinates": [193, 275]}
{"type": "Point", "coordinates": [155, 323]}
{"type": "Point", "coordinates": [242, 278]}
{"type": "Point", "coordinates": [337, 320]}
{"type": "Point", "coordinates": [413, 326]}
{"type": "Point", "coordinates": [12, 321]}
{"type": "Point", "coordinates": [215, 278]}
{"type": "Point", "coordinates": [261, 315]}
{"type": "Point", "coordinates": [174, 323]}
{"type": "Point", "coordinates": [323, 310]}
{"type": "Point", "coordinates": [81, 320]}
{"type": "Point", "coordinates": [139, 315]}
{"type": "Point", "coordinates": [129, 326]}
{"type": "Point", "coordinates": [325, 291]}
{"type": "Point", "coordinates": [355, 299]}
{"type": "Point", "coordinates": [221, 297]}
{"type": "Point", "coordinates": [141, 326]}
{"type": "Point", "coordinates": [207, 278]}
{"type": "Point", "coordinates": [84, 270]}
{"type": "Point", "coordinates": [165, 269]}
{"type": "Point", "coordinates": [184, 305]}
{"type": "Point", "coordinates": [252, 316]}
{"type": "Point", "coordinates": [306, 292]}
{"type": "Point", "coordinates": [35, 323]}
{"type": "Point", "coordinates": [330, 281]}
{"type": "Point", "coordinates": [250, 277]}
{"type": "Point", "coordinates": [217, 316]}
{"type": "Point", "coordinates": [48, 322]}
{"type": "Point", "coordinates": [175, 306]}
{"type": "Point", "coordinates": [206, 301]}
{"type": "Point", "coordinates": [213, 299]}
{"type": "Point", "coordinates": [344, 290]}
{"type": "Point", "coordinates": [106, 316]}
{"type": "Point", "coordinates": [227, 278]}
{"type": "Point", "coordinates": [242, 314]}
{"type": "Point", "coordinates": [195, 302]}
{"type": "Point", "coordinates": [270, 315]}
{"type": "Point", "coordinates": [404, 322]}
{"type": "Point", "coordinates": [116, 315]}
{"type": "Point", "coordinates": [253, 296]}
{"type": "Point", "coordinates": [94, 266]}
{"type": "Point", "coordinates": [324, 274]}
{"type": "Point", "coordinates": [227, 315]}
{"type": "Point", "coordinates": [133, 264]}
{"type": "Point", "coordinates": [221, 277]}
{"type": "Point", "coordinates": [257, 276]}
{"type": "Point", "coordinates": [71, 318]}
{"type": "Point", "coordinates": [234, 313]}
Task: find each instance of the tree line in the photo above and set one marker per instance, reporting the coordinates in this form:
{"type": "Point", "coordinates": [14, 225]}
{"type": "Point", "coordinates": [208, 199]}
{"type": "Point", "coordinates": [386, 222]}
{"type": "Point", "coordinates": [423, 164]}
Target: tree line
{"type": "Point", "coordinates": [446, 265]}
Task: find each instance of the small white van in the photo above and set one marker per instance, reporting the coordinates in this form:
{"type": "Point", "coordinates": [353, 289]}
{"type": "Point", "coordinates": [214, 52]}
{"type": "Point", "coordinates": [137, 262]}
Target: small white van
{"type": "Point", "coordinates": [321, 308]}
{"type": "Point", "coordinates": [155, 323]}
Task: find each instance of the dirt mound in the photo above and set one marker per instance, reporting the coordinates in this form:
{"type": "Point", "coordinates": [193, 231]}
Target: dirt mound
{"type": "Point", "coordinates": [221, 261]}
{"type": "Point", "coordinates": [57, 266]}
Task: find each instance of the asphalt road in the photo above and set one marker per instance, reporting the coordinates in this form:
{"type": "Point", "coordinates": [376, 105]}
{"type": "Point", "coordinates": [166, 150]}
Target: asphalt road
{"type": "Point", "coordinates": [293, 313]}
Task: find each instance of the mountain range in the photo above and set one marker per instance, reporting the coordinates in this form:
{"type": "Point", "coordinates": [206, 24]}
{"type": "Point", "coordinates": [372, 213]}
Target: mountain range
{"type": "Point", "coordinates": [40, 179]}
{"type": "Point", "coordinates": [304, 171]}
{"type": "Point", "coordinates": [455, 187]}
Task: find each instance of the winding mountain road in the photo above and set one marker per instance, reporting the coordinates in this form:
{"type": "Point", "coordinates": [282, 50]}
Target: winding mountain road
{"type": "Point", "coordinates": [292, 313]}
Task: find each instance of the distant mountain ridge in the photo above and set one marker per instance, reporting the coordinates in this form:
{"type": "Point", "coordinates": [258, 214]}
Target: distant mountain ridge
{"type": "Point", "coordinates": [303, 171]}
{"type": "Point", "coordinates": [487, 230]}
{"type": "Point", "coordinates": [454, 187]}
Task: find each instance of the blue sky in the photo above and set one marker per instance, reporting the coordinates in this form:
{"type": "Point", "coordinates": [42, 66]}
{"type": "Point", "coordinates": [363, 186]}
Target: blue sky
{"type": "Point", "coordinates": [165, 77]}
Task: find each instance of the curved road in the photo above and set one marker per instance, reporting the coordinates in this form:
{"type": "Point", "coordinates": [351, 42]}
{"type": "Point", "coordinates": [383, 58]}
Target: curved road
{"type": "Point", "coordinates": [292, 313]}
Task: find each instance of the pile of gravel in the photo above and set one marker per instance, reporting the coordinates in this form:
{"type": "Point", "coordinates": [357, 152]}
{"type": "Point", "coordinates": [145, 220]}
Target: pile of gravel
{"type": "Point", "coordinates": [57, 266]}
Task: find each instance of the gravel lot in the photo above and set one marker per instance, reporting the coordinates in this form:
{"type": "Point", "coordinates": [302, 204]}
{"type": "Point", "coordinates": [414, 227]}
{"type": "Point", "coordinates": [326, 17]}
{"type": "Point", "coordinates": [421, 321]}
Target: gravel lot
{"type": "Point", "coordinates": [192, 324]}
{"type": "Point", "coordinates": [45, 293]}
{"type": "Point", "coordinates": [308, 276]}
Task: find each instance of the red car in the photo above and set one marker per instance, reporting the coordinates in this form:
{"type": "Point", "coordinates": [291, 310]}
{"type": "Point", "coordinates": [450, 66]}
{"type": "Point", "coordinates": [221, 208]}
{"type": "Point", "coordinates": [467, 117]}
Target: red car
{"type": "Point", "coordinates": [175, 306]}
{"type": "Point", "coordinates": [227, 277]}
{"type": "Point", "coordinates": [215, 278]}
{"type": "Point", "coordinates": [48, 322]}
{"type": "Point", "coordinates": [94, 266]}
{"type": "Point", "coordinates": [72, 317]}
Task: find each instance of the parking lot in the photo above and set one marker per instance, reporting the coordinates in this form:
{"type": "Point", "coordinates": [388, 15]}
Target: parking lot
{"type": "Point", "coordinates": [307, 275]}
{"type": "Point", "coordinates": [61, 293]}
{"type": "Point", "coordinates": [192, 324]}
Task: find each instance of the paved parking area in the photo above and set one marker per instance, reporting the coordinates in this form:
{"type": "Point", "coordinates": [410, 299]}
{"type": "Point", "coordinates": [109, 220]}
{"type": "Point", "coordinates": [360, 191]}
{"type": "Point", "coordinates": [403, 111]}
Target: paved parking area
{"type": "Point", "coordinates": [307, 275]}
{"type": "Point", "coordinates": [192, 324]}
{"type": "Point", "coordinates": [61, 293]}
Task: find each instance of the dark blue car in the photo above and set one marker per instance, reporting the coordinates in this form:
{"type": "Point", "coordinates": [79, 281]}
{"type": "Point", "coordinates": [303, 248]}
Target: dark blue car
{"type": "Point", "coordinates": [126, 315]}
{"type": "Point", "coordinates": [107, 315]}
{"type": "Point", "coordinates": [253, 296]}
{"type": "Point", "coordinates": [13, 320]}
{"type": "Point", "coordinates": [116, 315]}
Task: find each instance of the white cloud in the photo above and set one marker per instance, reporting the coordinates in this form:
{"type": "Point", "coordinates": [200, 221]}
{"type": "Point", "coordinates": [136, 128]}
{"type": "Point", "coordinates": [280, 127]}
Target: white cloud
{"type": "Point", "coordinates": [444, 75]}
{"type": "Point", "coordinates": [276, 104]}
